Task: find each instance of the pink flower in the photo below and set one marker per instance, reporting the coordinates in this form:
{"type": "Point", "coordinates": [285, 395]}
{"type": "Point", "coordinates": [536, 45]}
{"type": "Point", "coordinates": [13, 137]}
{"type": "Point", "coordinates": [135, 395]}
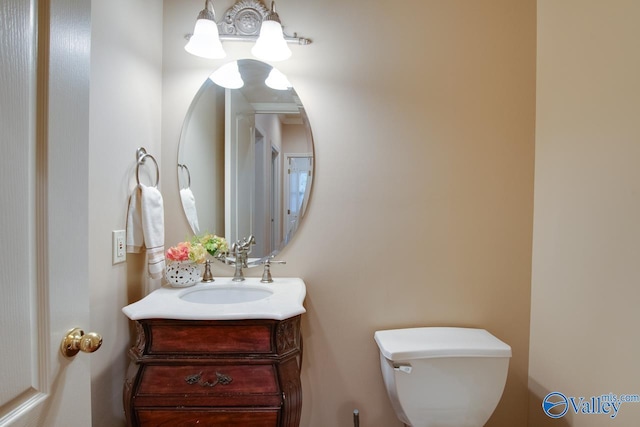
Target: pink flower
{"type": "Point", "coordinates": [179, 252]}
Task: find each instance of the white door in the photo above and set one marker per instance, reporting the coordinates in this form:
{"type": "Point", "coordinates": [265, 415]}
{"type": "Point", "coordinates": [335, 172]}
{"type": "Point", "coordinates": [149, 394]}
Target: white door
{"type": "Point", "coordinates": [260, 220]}
{"type": "Point", "coordinates": [240, 166]}
{"type": "Point", "coordinates": [297, 188]}
{"type": "Point", "coordinates": [275, 202]}
{"type": "Point", "coordinates": [44, 100]}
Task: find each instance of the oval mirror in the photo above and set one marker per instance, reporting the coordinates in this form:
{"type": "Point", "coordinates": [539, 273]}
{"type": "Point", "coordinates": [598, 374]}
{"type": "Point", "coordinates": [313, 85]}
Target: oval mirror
{"type": "Point", "coordinates": [245, 158]}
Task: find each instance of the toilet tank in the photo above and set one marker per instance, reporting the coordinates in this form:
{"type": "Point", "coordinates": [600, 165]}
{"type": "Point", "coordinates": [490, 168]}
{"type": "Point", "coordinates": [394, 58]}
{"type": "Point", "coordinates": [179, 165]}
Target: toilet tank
{"type": "Point", "coordinates": [443, 376]}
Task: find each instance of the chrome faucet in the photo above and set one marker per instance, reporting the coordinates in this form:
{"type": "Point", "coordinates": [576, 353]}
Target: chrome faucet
{"type": "Point", "coordinates": [240, 250]}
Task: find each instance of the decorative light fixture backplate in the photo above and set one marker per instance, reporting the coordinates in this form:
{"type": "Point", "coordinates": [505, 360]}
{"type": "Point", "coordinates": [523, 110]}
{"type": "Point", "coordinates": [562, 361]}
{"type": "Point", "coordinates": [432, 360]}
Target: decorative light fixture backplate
{"type": "Point", "coordinates": [243, 19]}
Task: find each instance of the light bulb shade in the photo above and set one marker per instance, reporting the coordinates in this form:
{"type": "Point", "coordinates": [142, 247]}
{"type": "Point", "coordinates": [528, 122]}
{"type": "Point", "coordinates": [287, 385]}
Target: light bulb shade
{"type": "Point", "coordinates": [271, 45]}
{"type": "Point", "coordinates": [277, 80]}
{"type": "Point", "coordinates": [205, 41]}
{"type": "Point", "coordinates": [228, 76]}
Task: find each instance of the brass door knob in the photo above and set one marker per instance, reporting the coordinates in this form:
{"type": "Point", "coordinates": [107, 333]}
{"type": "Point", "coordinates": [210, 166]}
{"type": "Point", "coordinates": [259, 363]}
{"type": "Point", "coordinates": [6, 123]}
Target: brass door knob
{"type": "Point", "coordinates": [76, 340]}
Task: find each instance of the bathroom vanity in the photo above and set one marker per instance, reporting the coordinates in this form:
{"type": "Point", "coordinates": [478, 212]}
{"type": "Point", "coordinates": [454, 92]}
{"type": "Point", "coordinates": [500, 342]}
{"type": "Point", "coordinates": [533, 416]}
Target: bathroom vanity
{"type": "Point", "coordinates": [240, 369]}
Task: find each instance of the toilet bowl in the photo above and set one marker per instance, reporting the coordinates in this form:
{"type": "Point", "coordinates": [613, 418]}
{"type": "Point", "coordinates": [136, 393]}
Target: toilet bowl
{"type": "Point", "coordinates": [443, 377]}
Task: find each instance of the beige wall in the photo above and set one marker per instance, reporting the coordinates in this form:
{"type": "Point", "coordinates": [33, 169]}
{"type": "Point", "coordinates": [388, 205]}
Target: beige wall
{"type": "Point", "coordinates": [124, 115]}
{"type": "Point", "coordinates": [421, 211]}
{"type": "Point", "coordinates": [204, 159]}
{"type": "Point", "coordinates": [587, 209]}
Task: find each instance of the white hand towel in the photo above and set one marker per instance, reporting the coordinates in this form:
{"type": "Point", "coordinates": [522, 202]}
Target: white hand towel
{"type": "Point", "coordinates": [189, 205]}
{"type": "Point", "coordinates": [135, 239]}
{"type": "Point", "coordinates": [153, 229]}
{"type": "Point", "coordinates": [145, 227]}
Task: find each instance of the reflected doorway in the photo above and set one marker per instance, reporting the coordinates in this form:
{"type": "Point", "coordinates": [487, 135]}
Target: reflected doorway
{"type": "Point", "coordinates": [297, 186]}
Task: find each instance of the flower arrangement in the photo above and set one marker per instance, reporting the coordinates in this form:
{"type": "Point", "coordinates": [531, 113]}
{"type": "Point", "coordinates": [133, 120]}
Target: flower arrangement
{"type": "Point", "coordinates": [187, 251]}
{"type": "Point", "coordinates": [213, 244]}
{"type": "Point", "coordinates": [196, 249]}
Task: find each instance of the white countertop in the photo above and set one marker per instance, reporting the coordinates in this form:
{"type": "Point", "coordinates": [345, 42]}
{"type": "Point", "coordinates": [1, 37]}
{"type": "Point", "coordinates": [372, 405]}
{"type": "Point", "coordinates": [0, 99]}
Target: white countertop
{"type": "Point", "coordinates": [166, 303]}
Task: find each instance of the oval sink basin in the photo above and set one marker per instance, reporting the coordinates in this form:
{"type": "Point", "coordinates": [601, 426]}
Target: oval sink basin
{"type": "Point", "coordinates": [226, 295]}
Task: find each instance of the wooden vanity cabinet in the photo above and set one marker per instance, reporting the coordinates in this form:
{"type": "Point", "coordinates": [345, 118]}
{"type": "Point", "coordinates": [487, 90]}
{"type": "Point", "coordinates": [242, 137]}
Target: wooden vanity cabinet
{"type": "Point", "coordinates": [215, 373]}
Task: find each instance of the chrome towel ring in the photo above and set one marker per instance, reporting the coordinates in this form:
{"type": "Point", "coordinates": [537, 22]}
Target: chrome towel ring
{"type": "Point", "coordinates": [141, 157]}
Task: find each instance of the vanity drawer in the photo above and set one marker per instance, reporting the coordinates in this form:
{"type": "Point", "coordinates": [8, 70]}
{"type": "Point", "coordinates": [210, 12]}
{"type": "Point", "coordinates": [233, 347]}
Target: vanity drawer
{"type": "Point", "coordinates": [171, 337]}
{"type": "Point", "coordinates": [209, 385]}
{"type": "Point", "coordinates": [202, 418]}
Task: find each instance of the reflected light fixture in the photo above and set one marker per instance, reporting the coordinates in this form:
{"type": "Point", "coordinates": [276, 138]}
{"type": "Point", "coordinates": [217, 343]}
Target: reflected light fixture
{"type": "Point", "coordinates": [277, 80]}
{"type": "Point", "coordinates": [271, 45]}
{"type": "Point", "coordinates": [228, 76]}
{"type": "Point", "coordinates": [205, 40]}
{"type": "Point", "coordinates": [246, 20]}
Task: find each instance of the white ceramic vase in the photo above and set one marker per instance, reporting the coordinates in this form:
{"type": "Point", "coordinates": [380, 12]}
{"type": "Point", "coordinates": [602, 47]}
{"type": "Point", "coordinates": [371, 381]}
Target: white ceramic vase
{"type": "Point", "coordinates": [182, 274]}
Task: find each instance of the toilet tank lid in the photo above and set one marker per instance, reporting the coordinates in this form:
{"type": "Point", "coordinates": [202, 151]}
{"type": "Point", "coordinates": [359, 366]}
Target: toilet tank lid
{"type": "Point", "coordinates": [433, 342]}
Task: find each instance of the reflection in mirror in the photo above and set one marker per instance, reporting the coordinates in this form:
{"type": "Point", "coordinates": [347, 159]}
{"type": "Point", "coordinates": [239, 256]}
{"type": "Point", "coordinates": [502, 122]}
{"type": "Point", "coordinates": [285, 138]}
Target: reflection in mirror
{"type": "Point", "coordinates": [245, 160]}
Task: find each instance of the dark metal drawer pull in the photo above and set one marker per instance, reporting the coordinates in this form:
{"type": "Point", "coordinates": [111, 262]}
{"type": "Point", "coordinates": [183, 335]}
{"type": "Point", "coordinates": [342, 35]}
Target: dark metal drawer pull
{"type": "Point", "coordinates": [197, 379]}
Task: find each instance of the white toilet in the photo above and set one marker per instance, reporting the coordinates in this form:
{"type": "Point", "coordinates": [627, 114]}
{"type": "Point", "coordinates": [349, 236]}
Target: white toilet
{"type": "Point", "coordinates": [441, 377]}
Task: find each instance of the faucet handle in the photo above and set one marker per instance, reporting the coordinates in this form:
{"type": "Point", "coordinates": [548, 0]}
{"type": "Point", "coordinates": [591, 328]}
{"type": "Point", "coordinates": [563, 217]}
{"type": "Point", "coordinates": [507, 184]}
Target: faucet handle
{"type": "Point", "coordinates": [244, 243]}
{"type": "Point", "coordinates": [267, 262]}
{"type": "Point", "coordinates": [207, 277]}
{"type": "Point", "coordinates": [223, 257]}
{"type": "Point", "coordinates": [266, 274]}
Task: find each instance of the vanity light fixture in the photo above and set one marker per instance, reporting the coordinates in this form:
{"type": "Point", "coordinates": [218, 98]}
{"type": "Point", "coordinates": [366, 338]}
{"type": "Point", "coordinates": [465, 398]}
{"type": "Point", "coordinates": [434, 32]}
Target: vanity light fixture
{"type": "Point", "coordinates": [271, 45]}
{"type": "Point", "coordinates": [277, 80]}
{"type": "Point", "coordinates": [228, 76]}
{"type": "Point", "coordinates": [246, 20]}
{"type": "Point", "coordinates": [205, 40]}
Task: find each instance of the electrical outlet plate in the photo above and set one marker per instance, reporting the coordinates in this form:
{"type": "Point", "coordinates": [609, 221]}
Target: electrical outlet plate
{"type": "Point", "coordinates": [119, 246]}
